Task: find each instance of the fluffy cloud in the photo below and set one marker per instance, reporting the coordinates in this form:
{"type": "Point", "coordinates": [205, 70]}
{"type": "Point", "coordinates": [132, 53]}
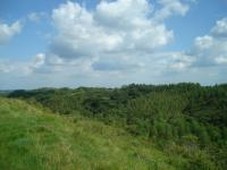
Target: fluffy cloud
{"type": "Point", "coordinates": [204, 42]}
{"type": "Point", "coordinates": [179, 61]}
{"type": "Point", "coordinates": [23, 67]}
{"type": "Point", "coordinates": [117, 39]}
{"type": "Point", "coordinates": [119, 42]}
{"type": "Point", "coordinates": [171, 7]}
{"type": "Point", "coordinates": [207, 51]}
{"type": "Point", "coordinates": [211, 49]}
{"type": "Point", "coordinates": [8, 31]}
{"type": "Point", "coordinates": [120, 28]}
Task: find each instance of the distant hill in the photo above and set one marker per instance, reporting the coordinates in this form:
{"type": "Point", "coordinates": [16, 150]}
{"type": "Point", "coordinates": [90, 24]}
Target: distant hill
{"type": "Point", "coordinates": [5, 92]}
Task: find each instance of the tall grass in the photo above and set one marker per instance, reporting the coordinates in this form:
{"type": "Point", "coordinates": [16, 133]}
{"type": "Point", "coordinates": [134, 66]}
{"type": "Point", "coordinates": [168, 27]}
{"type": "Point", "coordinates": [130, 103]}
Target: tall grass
{"type": "Point", "coordinates": [31, 139]}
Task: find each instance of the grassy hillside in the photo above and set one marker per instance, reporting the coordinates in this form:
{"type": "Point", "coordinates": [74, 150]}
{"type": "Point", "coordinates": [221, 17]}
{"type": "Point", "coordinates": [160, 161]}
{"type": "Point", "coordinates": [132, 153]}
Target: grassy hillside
{"type": "Point", "coordinates": [34, 139]}
{"type": "Point", "coordinates": [186, 122]}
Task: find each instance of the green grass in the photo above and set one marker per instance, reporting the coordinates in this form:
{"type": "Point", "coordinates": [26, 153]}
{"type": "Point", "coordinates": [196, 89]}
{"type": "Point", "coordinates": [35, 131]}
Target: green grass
{"type": "Point", "coordinates": [34, 139]}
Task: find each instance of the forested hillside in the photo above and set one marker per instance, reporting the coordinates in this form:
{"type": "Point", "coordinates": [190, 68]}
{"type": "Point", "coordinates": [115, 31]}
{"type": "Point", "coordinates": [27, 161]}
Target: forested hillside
{"type": "Point", "coordinates": [185, 121]}
{"type": "Point", "coordinates": [33, 138]}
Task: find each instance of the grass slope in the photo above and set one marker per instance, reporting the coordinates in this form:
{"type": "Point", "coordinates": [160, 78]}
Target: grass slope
{"type": "Point", "coordinates": [33, 139]}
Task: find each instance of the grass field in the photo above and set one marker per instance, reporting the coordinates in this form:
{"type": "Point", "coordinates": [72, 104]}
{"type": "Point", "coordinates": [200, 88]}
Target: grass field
{"type": "Point", "coordinates": [32, 138]}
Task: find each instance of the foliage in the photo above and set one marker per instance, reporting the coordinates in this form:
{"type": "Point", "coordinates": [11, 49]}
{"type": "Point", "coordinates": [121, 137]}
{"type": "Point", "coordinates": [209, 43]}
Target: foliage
{"type": "Point", "coordinates": [189, 118]}
{"type": "Point", "coordinates": [32, 138]}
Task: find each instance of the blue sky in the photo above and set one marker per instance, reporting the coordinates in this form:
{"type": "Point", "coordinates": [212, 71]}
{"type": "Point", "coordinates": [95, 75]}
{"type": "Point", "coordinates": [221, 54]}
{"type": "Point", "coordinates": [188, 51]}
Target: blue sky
{"type": "Point", "coordinates": [112, 42]}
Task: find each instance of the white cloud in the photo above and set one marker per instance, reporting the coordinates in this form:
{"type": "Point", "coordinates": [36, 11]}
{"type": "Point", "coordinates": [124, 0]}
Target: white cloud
{"type": "Point", "coordinates": [116, 42]}
{"type": "Point", "coordinates": [39, 60]}
{"type": "Point", "coordinates": [113, 27]}
{"type": "Point", "coordinates": [180, 61]}
{"type": "Point", "coordinates": [211, 49]}
{"type": "Point", "coordinates": [36, 16]}
{"type": "Point", "coordinates": [221, 60]}
{"type": "Point", "coordinates": [8, 31]}
{"type": "Point", "coordinates": [23, 67]}
{"type": "Point", "coordinates": [118, 62]}
{"type": "Point", "coordinates": [5, 67]}
{"type": "Point", "coordinates": [204, 42]}
{"type": "Point", "coordinates": [115, 37]}
{"type": "Point", "coordinates": [119, 42]}
{"type": "Point", "coordinates": [171, 7]}
{"type": "Point", "coordinates": [220, 29]}
{"type": "Point", "coordinates": [122, 14]}
{"type": "Point", "coordinates": [55, 60]}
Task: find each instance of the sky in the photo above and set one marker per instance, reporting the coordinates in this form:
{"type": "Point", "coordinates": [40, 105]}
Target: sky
{"type": "Point", "coordinates": [110, 43]}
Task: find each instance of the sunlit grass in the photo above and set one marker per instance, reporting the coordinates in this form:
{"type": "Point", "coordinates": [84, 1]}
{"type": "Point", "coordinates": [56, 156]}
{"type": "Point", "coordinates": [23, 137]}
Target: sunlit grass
{"type": "Point", "coordinates": [36, 140]}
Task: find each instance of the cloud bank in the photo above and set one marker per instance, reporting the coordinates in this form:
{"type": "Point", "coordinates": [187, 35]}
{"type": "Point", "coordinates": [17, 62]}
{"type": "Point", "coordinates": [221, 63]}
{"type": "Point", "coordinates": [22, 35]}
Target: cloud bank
{"type": "Point", "coordinates": [115, 35]}
{"type": "Point", "coordinates": [120, 42]}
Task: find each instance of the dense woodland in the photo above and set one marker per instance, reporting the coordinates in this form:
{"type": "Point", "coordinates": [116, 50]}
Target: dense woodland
{"type": "Point", "coordinates": [184, 119]}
